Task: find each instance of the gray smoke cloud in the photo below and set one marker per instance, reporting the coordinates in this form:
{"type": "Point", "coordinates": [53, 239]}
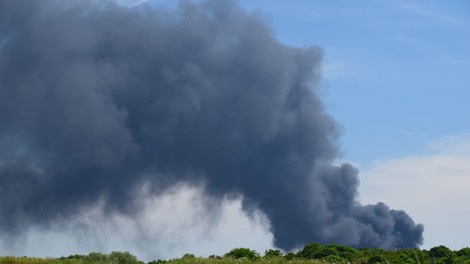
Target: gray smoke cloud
{"type": "Point", "coordinates": [97, 99]}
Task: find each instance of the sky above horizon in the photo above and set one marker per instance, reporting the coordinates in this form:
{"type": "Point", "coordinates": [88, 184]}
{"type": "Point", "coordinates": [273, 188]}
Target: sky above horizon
{"type": "Point", "coordinates": [395, 77]}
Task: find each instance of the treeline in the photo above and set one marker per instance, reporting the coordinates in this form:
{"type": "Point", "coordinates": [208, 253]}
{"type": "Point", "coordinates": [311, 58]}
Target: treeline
{"type": "Point", "coordinates": [317, 253]}
{"type": "Point", "coordinates": [313, 253]}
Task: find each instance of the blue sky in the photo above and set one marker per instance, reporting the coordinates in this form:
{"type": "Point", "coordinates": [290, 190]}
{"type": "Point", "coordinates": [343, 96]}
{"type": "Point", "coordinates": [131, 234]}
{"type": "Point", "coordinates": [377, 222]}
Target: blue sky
{"type": "Point", "coordinates": [396, 72]}
{"type": "Point", "coordinates": [396, 77]}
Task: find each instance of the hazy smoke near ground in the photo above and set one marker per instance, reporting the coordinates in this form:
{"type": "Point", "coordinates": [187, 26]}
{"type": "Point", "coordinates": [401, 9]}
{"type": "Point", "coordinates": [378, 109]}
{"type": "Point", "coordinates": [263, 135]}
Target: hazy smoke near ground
{"type": "Point", "coordinates": [179, 220]}
{"type": "Point", "coordinates": [97, 100]}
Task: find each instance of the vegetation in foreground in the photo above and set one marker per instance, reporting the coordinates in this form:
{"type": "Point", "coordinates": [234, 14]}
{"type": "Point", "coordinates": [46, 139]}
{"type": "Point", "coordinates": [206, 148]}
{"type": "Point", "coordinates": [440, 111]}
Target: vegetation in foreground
{"type": "Point", "coordinates": [313, 253]}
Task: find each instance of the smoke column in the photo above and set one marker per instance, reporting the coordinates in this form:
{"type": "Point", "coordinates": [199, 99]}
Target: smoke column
{"type": "Point", "coordinates": [98, 99]}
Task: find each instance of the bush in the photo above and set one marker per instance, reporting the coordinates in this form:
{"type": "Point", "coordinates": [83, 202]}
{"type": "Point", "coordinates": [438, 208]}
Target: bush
{"type": "Point", "coordinates": [326, 251]}
{"type": "Point", "coordinates": [272, 253]}
{"type": "Point", "coordinates": [310, 251]}
{"type": "Point", "coordinates": [96, 257]}
{"type": "Point", "coordinates": [464, 252]}
{"type": "Point", "coordinates": [160, 261]}
{"type": "Point", "coordinates": [290, 256]}
{"type": "Point", "coordinates": [317, 251]}
{"type": "Point", "coordinates": [242, 253]}
{"type": "Point", "coordinates": [345, 252]}
{"type": "Point", "coordinates": [123, 258]}
{"type": "Point", "coordinates": [189, 256]}
{"type": "Point", "coordinates": [334, 259]}
{"type": "Point", "coordinates": [439, 252]}
{"type": "Point", "coordinates": [76, 256]}
{"type": "Point", "coordinates": [376, 259]}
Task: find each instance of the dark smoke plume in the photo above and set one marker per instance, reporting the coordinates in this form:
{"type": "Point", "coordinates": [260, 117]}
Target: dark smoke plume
{"type": "Point", "coordinates": [97, 99]}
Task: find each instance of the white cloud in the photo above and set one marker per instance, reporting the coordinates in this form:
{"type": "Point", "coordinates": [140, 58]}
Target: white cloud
{"type": "Point", "coordinates": [433, 189]}
{"type": "Point", "coordinates": [182, 220]}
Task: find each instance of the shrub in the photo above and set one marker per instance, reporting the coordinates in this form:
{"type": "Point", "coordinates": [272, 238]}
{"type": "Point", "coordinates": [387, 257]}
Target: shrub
{"type": "Point", "coordinates": [290, 256]}
{"type": "Point", "coordinates": [76, 256]}
{"type": "Point", "coordinates": [159, 261]}
{"type": "Point", "coordinates": [326, 251]}
{"type": "Point", "coordinates": [464, 252]}
{"type": "Point", "coordinates": [242, 253]}
{"type": "Point", "coordinates": [375, 259]}
{"type": "Point", "coordinates": [96, 257]}
{"type": "Point", "coordinates": [310, 251]}
{"type": "Point", "coordinates": [345, 252]}
{"type": "Point", "coordinates": [189, 256]}
{"type": "Point", "coordinates": [334, 259]}
{"type": "Point", "coordinates": [272, 253]}
{"type": "Point", "coordinates": [439, 252]}
{"type": "Point", "coordinates": [123, 258]}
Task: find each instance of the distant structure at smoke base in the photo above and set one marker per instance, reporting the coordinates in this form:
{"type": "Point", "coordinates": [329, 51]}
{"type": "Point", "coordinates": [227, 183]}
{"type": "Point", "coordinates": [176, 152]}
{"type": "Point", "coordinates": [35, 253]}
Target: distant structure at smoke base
{"type": "Point", "coordinates": [97, 99]}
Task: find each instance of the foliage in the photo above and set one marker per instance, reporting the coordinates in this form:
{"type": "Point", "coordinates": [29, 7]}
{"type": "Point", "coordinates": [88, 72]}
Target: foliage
{"type": "Point", "coordinates": [310, 251]}
{"type": "Point", "coordinates": [464, 252]}
{"type": "Point", "coordinates": [334, 259]}
{"type": "Point", "coordinates": [242, 253]}
{"type": "Point", "coordinates": [189, 256]}
{"type": "Point", "coordinates": [92, 258]}
{"type": "Point", "coordinates": [272, 253]}
{"type": "Point", "coordinates": [160, 261]}
{"type": "Point", "coordinates": [123, 258]}
{"type": "Point", "coordinates": [290, 256]}
{"type": "Point", "coordinates": [313, 253]}
{"type": "Point", "coordinates": [439, 252]}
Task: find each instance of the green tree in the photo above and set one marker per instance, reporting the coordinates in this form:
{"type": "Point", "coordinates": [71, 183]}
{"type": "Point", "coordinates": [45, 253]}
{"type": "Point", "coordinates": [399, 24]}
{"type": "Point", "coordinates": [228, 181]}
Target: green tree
{"type": "Point", "coordinates": [334, 259]}
{"type": "Point", "coordinates": [189, 256]}
{"type": "Point", "coordinates": [376, 259]}
{"type": "Point", "coordinates": [159, 261]}
{"type": "Point", "coordinates": [96, 257]}
{"type": "Point", "coordinates": [242, 253]}
{"type": "Point", "coordinates": [290, 256]}
{"type": "Point", "coordinates": [310, 251]}
{"type": "Point", "coordinates": [439, 252]}
{"type": "Point", "coordinates": [407, 256]}
{"type": "Point", "coordinates": [464, 252]}
{"type": "Point", "coordinates": [272, 253]}
{"type": "Point", "coordinates": [123, 258]}
{"type": "Point", "coordinates": [326, 251]}
{"type": "Point", "coordinates": [345, 252]}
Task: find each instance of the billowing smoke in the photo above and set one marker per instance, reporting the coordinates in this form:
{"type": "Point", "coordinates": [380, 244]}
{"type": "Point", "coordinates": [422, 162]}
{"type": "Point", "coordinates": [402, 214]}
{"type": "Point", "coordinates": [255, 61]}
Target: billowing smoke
{"type": "Point", "coordinates": [97, 100]}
